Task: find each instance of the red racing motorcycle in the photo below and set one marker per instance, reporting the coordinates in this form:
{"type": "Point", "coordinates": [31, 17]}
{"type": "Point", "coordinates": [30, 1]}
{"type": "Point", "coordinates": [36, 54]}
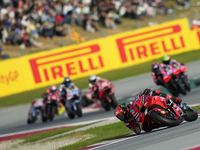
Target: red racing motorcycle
{"type": "Point", "coordinates": [51, 105]}
{"type": "Point", "coordinates": [174, 80]}
{"type": "Point", "coordinates": [183, 75]}
{"type": "Point", "coordinates": [106, 94]}
{"type": "Point", "coordinates": [154, 112]}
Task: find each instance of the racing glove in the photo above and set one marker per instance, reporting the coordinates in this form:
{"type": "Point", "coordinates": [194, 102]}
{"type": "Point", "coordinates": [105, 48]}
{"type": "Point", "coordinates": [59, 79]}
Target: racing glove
{"type": "Point", "coordinates": [146, 91]}
{"type": "Point", "coordinates": [176, 100]}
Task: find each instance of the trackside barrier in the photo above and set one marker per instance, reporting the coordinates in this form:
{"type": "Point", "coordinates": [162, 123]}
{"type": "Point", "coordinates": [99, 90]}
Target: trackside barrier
{"type": "Point", "coordinates": [96, 56]}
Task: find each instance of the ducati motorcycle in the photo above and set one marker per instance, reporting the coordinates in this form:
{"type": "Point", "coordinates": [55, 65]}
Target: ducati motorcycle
{"type": "Point", "coordinates": [50, 109]}
{"type": "Point", "coordinates": [106, 94]}
{"type": "Point", "coordinates": [159, 112]}
{"type": "Point", "coordinates": [174, 82]}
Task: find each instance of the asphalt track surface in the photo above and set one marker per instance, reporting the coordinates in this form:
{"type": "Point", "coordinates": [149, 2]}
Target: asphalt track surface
{"type": "Point", "coordinates": [13, 119]}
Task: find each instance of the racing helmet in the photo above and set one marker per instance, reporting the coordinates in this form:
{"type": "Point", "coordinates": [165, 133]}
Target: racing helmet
{"type": "Point", "coordinates": [67, 81]}
{"type": "Point", "coordinates": [53, 89]}
{"type": "Point", "coordinates": [92, 79]}
{"type": "Point", "coordinates": [155, 66]}
{"type": "Point", "coordinates": [121, 112]}
{"type": "Point", "coordinates": [166, 60]}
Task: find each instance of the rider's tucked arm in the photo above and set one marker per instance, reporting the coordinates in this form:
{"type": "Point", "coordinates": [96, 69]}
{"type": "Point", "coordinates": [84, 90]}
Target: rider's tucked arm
{"type": "Point", "coordinates": [174, 99]}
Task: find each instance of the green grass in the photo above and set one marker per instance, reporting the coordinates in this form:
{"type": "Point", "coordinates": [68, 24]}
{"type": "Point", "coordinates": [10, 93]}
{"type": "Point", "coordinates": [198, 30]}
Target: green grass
{"type": "Point", "coordinates": [27, 97]}
{"type": "Point", "coordinates": [43, 135]}
{"type": "Point", "coordinates": [197, 108]}
{"type": "Point", "coordinates": [100, 134]}
{"type": "Point", "coordinates": [46, 134]}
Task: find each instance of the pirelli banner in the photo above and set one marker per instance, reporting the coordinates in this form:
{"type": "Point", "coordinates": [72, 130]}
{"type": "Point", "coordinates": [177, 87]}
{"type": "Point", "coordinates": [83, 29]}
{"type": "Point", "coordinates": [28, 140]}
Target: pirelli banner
{"type": "Point", "coordinates": [96, 56]}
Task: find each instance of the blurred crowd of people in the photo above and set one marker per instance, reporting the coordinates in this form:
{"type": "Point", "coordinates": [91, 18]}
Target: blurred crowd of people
{"type": "Point", "coordinates": [23, 21]}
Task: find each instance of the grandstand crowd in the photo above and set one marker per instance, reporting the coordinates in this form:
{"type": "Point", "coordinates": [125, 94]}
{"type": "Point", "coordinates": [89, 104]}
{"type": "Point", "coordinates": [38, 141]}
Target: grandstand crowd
{"type": "Point", "coordinates": [23, 21]}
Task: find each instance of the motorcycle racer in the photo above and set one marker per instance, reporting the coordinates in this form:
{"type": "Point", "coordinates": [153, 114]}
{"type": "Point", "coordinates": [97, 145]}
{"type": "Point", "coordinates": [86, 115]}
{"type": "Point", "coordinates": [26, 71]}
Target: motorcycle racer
{"type": "Point", "coordinates": [93, 81]}
{"type": "Point", "coordinates": [158, 93]}
{"type": "Point", "coordinates": [172, 68]}
{"type": "Point", "coordinates": [156, 73]}
{"type": "Point", "coordinates": [67, 83]}
{"type": "Point", "coordinates": [54, 91]}
{"type": "Point", "coordinates": [35, 110]}
{"type": "Point", "coordinates": [44, 95]}
{"type": "Point", "coordinates": [168, 61]}
{"type": "Point", "coordinates": [129, 112]}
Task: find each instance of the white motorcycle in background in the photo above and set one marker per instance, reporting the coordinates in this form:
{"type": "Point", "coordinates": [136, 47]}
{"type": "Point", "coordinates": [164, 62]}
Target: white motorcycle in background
{"type": "Point", "coordinates": [35, 110]}
{"type": "Point", "coordinates": [73, 104]}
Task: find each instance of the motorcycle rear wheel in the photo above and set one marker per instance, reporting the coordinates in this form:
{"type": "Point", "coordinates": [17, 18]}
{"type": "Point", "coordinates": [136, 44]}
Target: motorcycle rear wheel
{"type": "Point", "coordinates": [163, 120]}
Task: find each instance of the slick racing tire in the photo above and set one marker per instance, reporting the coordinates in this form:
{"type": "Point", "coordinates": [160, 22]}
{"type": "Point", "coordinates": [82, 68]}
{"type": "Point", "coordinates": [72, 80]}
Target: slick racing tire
{"type": "Point", "coordinates": [29, 121]}
{"type": "Point", "coordinates": [52, 112]}
{"type": "Point", "coordinates": [164, 121]}
{"type": "Point", "coordinates": [114, 101]}
{"type": "Point", "coordinates": [79, 110]}
{"type": "Point", "coordinates": [44, 116]}
{"type": "Point", "coordinates": [186, 84]}
{"type": "Point", "coordinates": [71, 115]}
{"type": "Point", "coordinates": [181, 88]}
{"type": "Point", "coordinates": [190, 114]}
{"type": "Point", "coordinates": [44, 119]}
{"type": "Point", "coordinates": [105, 105]}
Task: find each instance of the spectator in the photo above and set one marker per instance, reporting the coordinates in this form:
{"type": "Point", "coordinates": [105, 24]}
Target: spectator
{"type": "Point", "coordinates": [162, 8]}
{"type": "Point", "coordinates": [48, 29]}
{"type": "Point", "coordinates": [141, 11]}
{"type": "Point", "coordinates": [1, 30]}
{"type": "Point", "coordinates": [109, 22]}
{"type": "Point", "coordinates": [1, 49]}
{"type": "Point", "coordinates": [24, 20]}
{"type": "Point", "coordinates": [59, 29]}
{"type": "Point", "coordinates": [31, 28]}
{"type": "Point", "coordinates": [90, 25]}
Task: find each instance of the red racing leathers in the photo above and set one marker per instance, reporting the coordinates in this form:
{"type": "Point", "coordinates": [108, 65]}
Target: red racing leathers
{"type": "Point", "coordinates": [132, 121]}
{"type": "Point", "coordinates": [94, 87]}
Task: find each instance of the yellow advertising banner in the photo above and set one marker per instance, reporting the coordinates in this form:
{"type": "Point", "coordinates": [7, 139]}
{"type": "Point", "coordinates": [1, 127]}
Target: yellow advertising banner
{"type": "Point", "coordinates": [96, 56]}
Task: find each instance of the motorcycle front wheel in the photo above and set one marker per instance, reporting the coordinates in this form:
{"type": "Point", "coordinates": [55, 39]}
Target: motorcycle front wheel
{"type": "Point", "coordinates": [79, 110]}
{"type": "Point", "coordinates": [164, 120]}
{"type": "Point", "coordinates": [71, 116]}
{"type": "Point", "coordinates": [190, 114]}
{"type": "Point", "coordinates": [52, 112]}
{"type": "Point", "coordinates": [44, 116]}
